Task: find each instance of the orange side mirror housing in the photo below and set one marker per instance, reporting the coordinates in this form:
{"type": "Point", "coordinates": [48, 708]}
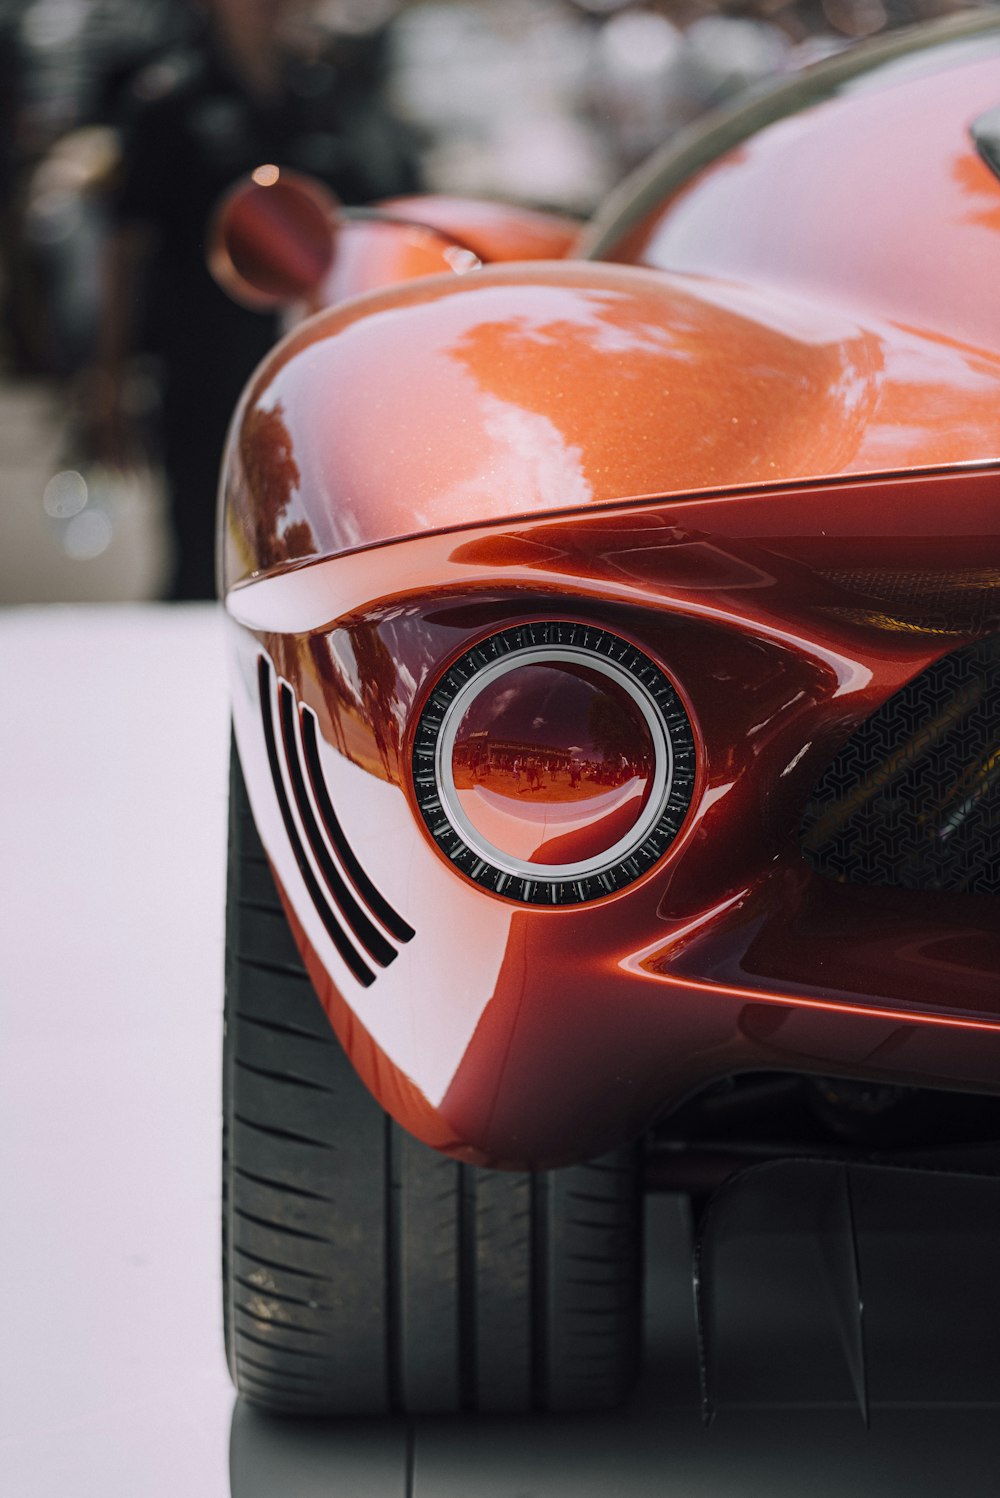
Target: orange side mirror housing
{"type": "Point", "coordinates": [273, 238]}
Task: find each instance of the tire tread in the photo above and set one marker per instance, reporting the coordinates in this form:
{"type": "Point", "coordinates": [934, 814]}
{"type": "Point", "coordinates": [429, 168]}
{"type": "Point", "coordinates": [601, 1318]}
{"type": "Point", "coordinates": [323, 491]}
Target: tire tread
{"type": "Point", "coordinates": [489, 1290]}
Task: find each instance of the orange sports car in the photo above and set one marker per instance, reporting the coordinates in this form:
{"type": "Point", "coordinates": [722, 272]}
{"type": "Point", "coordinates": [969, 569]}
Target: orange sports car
{"type": "Point", "coordinates": [614, 618]}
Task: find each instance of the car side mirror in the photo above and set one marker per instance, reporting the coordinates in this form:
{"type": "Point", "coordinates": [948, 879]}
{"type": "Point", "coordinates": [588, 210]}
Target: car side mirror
{"type": "Point", "coordinates": [272, 239]}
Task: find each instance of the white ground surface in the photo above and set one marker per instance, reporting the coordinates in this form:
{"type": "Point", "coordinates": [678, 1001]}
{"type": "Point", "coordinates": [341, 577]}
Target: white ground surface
{"type": "Point", "coordinates": [113, 744]}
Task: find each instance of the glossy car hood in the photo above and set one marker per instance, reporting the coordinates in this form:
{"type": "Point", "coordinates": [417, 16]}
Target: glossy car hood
{"type": "Point", "coordinates": [546, 388]}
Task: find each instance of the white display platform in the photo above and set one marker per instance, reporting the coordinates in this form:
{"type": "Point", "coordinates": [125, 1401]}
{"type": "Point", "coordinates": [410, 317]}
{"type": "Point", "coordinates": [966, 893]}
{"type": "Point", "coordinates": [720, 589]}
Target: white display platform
{"type": "Point", "coordinates": [113, 745]}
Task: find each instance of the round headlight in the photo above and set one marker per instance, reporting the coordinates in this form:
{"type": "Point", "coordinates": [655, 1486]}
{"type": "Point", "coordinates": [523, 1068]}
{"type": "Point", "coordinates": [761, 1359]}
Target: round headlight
{"type": "Point", "coordinates": [553, 763]}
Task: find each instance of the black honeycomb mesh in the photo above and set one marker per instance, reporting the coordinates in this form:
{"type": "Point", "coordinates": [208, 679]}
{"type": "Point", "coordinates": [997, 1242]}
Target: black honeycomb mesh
{"type": "Point", "coordinates": [913, 798]}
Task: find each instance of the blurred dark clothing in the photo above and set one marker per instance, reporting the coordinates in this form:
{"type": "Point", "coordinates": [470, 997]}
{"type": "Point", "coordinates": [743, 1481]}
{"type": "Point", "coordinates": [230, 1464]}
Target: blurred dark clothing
{"type": "Point", "coordinates": [191, 129]}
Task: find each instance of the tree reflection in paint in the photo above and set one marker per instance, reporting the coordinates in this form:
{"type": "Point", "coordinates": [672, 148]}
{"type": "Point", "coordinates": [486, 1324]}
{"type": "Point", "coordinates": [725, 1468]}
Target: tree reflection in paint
{"type": "Point", "coordinates": [272, 476]}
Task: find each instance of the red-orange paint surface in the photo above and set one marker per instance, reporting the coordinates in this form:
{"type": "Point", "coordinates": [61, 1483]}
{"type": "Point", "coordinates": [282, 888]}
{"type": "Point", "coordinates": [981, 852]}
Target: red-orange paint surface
{"type": "Point", "coordinates": [767, 454]}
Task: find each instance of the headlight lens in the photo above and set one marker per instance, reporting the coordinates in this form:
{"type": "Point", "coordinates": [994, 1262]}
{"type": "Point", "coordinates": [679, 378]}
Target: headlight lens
{"type": "Point", "coordinates": [553, 763]}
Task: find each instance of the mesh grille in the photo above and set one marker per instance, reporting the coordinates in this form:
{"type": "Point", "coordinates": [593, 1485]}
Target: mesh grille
{"type": "Point", "coordinates": [913, 798]}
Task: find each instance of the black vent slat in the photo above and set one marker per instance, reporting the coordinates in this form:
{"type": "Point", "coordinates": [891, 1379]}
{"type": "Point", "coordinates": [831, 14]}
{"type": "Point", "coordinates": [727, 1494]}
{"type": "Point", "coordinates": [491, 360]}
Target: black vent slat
{"type": "Point", "coordinates": [913, 798]}
{"type": "Point", "coordinates": [368, 934]}
{"type": "Point", "coordinates": [334, 930]}
{"type": "Point", "coordinates": [376, 902]}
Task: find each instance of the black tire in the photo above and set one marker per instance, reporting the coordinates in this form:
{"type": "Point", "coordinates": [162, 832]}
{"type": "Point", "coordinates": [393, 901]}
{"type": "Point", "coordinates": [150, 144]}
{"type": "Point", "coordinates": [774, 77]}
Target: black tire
{"type": "Point", "coordinates": [366, 1273]}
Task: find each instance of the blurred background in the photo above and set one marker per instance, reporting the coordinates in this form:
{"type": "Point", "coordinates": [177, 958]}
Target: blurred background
{"type": "Point", "coordinates": [121, 123]}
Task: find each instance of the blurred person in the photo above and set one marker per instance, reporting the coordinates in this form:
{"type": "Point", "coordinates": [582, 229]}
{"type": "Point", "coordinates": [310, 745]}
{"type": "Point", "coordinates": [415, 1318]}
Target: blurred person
{"type": "Point", "coordinates": [11, 68]}
{"type": "Point", "coordinates": [247, 89]}
{"type": "Point", "coordinates": [56, 57]}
